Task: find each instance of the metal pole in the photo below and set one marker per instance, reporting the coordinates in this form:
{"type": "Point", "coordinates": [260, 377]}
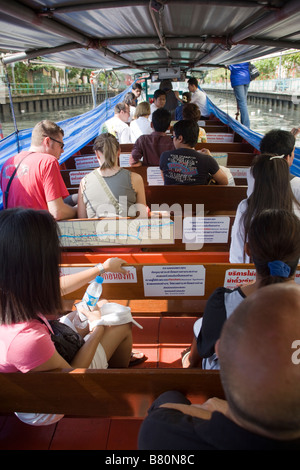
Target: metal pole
{"type": "Point", "coordinates": [12, 108]}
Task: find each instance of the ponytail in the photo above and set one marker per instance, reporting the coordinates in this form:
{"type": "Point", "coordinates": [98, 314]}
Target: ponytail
{"type": "Point", "coordinates": [108, 145]}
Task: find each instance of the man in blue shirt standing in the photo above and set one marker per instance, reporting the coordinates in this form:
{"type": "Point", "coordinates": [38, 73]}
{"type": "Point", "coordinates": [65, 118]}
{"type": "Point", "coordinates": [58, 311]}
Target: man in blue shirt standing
{"type": "Point", "coordinates": [240, 80]}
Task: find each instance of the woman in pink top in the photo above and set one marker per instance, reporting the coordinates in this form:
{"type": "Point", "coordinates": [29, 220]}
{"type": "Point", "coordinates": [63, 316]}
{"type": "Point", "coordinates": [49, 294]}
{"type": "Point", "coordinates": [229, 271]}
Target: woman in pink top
{"type": "Point", "coordinates": [31, 287]}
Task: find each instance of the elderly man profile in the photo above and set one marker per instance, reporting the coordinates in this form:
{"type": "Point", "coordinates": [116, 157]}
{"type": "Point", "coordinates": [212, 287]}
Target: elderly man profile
{"type": "Point", "coordinates": [117, 125]}
{"type": "Point", "coordinates": [32, 178]}
{"type": "Point", "coordinates": [259, 357]}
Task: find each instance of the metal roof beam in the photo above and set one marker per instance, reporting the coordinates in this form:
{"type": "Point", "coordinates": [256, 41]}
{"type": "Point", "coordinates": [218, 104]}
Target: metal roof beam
{"type": "Point", "coordinates": [132, 3]}
{"type": "Point", "coordinates": [288, 9]}
{"type": "Point", "coordinates": [16, 10]}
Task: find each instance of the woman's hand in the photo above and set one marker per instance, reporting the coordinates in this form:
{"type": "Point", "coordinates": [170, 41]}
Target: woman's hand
{"type": "Point", "coordinates": [114, 265]}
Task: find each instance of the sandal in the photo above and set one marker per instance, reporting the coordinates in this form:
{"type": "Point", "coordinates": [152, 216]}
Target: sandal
{"type": "Point", "coordinates": [137, 357]}
{"type": "Point", "coordinates": [184, 356]}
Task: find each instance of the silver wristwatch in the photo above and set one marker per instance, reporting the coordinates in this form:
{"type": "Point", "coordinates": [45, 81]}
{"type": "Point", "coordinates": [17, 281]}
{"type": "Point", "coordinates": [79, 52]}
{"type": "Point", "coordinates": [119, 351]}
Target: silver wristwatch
{"type": "Point", "coordinates": [100, 267]}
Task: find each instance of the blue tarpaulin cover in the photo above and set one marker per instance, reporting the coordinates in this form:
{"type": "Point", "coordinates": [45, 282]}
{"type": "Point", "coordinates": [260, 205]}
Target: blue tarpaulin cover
{"type": "Point", "coordinates": [80, 130]}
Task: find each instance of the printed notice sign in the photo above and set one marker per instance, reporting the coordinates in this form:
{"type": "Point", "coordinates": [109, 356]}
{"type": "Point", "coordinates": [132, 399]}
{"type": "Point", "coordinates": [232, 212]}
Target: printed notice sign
{"type": "Point", "coordinates": [240, 172]}
{"type": "Point", "coordinates": [154, 176]}
{"type": "Point", "coordinates": [234, 277]}
{"type": "Point", "coordinates": [88, 161]}
{"type": "Point", "coordinates": [205, 229]}
{"type": "Point", "coordinates": [76, 176]}
{"type": "Point", "coordinates": [124, 159]}
{"type": "Point", "coordinates": [171, 281]}
{"type": "Point", "coordinates": [108, 277]}
{"type": "Point", "coordinates": [297, 277]}
{"type": "Point", "coordinates": [225, 137]}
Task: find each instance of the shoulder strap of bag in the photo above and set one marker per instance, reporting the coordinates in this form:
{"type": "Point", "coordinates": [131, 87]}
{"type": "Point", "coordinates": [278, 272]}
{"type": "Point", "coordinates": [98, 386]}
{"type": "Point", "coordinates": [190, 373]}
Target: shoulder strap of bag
{"type": "Point", "coordinates": [10, 180]}
{"type": "Point", "coordinates": [108, 191]}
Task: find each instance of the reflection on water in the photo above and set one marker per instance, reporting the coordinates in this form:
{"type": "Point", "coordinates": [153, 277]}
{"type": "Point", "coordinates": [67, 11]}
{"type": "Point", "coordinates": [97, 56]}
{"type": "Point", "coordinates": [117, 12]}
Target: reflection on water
{"type": "Point", "coordinates": [262, 117]}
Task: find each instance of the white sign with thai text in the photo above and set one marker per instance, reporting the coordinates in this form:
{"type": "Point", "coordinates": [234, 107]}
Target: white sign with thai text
{"type": "Point", "coordinates": [170, 281]}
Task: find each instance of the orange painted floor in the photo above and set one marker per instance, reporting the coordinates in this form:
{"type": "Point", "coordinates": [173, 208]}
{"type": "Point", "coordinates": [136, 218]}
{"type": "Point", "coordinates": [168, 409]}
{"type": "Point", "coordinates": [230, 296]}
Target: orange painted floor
{"type": "Point", "coordinates": [162, 340]}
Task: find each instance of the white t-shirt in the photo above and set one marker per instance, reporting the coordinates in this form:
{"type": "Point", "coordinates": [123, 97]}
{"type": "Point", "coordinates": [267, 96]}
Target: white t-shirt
{"type": "Point", "coordinates": [295, 185]}
{"type": "Point", "coordinates": [132, 113]}
{"type": "Point", "coordinates": [153, 108]}
{"type": "Point", "coordinates": [236, 252]}
{"type": "Point", "coordinates": [118, 128]}
{"type": "Point", "coordinates": [199, 98]}
{"type": "Point", "coordinates": [140, 126]}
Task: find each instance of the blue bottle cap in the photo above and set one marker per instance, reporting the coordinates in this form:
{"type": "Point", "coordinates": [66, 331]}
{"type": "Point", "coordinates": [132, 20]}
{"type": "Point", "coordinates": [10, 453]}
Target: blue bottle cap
{"type": "Point", "coordinates": [99, 279]}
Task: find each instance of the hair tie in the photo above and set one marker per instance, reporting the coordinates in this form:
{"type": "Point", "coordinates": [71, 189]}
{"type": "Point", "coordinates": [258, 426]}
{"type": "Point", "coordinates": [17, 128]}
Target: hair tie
{"type": "Point", "coordinates": [279, 268]}
{"type": "Point", "coordinates": [277, 156]}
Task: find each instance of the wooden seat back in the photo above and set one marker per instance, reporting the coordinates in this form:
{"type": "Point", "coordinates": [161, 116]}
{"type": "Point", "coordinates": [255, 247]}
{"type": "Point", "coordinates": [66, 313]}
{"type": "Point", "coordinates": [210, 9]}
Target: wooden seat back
{"type": "Point", "coordinates": [101, 393]}
{"type": "Point", "coordinates": [176, 233]}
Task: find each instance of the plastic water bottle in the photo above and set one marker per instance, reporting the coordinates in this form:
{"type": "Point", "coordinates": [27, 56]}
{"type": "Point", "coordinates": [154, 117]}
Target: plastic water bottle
{"type": "Point", "coordinates": [92, 295]}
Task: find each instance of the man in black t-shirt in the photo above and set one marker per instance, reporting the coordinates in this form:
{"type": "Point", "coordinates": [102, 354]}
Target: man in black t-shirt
{"type": "Point", "coordinates": [185, 165]}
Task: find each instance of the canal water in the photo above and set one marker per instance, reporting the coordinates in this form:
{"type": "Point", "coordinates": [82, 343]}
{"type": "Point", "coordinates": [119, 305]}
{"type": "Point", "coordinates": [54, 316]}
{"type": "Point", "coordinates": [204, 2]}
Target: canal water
{"type": "Point", "coordinates": [262, 117]}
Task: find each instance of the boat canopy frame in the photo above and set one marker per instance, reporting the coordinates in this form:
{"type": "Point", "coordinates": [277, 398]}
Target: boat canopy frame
{"type": "Point", "coordinates": [143, 35]}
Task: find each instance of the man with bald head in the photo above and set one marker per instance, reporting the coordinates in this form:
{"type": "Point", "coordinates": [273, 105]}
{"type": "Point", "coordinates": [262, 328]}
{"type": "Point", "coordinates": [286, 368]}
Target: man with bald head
{"type": "Point", "coordinates": [260, 374]}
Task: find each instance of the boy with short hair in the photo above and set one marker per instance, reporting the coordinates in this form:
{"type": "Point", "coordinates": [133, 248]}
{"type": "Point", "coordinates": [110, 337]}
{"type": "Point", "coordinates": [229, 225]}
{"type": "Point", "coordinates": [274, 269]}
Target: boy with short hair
{"type": "Point", "coordinates": [185, 165]}
{"type": "Point", "coordinates": [159, 101]}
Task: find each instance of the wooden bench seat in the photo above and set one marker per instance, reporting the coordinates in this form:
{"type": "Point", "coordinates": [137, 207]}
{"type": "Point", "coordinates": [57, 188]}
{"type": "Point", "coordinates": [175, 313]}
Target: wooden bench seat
{"type": "Point", "coordinates": [159, 234]}
{"type": "Point", "coordinates": [215, 198]}
{"type": "Point", "coordinates": [101, 393]}
{"type": "Point", "coordinates": [88, 162]}
{"type": "Point", "coordinates": [72, 177]}
{"type": "Point", "coordinates": [164, 288]}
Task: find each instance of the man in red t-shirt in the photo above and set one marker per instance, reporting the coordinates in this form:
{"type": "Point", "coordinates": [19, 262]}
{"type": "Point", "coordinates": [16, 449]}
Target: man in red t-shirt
{"type": "Point", "coordinates": [38, 183]}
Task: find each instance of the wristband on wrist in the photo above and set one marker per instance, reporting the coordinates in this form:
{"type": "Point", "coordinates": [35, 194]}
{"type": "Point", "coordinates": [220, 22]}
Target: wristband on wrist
{"type": "Point", "coordinates": [100, 267]}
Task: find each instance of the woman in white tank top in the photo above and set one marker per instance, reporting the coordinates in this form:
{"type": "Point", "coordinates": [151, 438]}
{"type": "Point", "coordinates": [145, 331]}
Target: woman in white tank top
{"type": "Point", "coordinates": [110, 190]}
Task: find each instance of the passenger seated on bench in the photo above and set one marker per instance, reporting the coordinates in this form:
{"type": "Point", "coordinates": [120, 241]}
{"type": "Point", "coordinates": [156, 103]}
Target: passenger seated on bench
{"type": "Point", "coordinates": [260, 374]}
{"type": "Point", "coordinates": [272, 190]}
{"type": "Point", "coordinates": [185, 165]}
{"type": "Point", "coordinates": [148, 148]}
{"type": "Point", "coordinates": [192, 112]}
{"type": "Point", "coordinates": [274, 246]}
{"type": "Point", "coordinates": [140, 125]}
{"type": "Point", "coordinates": [110, 190]}
{"type": "Point", "coordinates": [117, 125]}
{"type": "Point", "coordinates": [159, 101]}
{"type": "Point", "coordinates": [38, 183]}
{"type": "Point", "coordinates": [130, 100]}
{"type": "Point", "coordinates": [186, 98]}
{"type": "Point", "coordinates": [30, 289]}
{"type": "Point", "coordinates": [279, 142]}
